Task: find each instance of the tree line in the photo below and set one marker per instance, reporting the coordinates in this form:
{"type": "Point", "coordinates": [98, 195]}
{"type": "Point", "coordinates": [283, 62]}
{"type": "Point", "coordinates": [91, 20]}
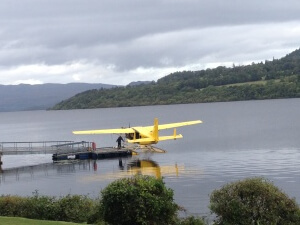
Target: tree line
{"type": "Point", "coordinates": [279, 78]}
{"type": "Point", "coordinates": [141, 200]}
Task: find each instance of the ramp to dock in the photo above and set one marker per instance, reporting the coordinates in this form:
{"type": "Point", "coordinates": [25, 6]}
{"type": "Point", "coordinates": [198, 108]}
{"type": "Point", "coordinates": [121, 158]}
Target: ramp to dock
{"type": "Point", "coordinates": [42, 147]}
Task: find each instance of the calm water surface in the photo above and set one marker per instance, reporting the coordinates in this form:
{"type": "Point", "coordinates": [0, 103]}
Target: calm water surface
{"type": "Point", "coordinates": [236, 140]}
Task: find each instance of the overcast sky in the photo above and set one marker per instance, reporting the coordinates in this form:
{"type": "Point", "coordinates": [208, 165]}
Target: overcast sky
{"type": "Point", "coordinates": [120, 41]}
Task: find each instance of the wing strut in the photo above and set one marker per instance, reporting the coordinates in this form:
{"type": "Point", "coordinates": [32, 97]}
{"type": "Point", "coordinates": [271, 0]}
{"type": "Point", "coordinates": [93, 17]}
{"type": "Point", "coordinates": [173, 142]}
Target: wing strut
{"type": "Point", "coordinates": [155, 130]}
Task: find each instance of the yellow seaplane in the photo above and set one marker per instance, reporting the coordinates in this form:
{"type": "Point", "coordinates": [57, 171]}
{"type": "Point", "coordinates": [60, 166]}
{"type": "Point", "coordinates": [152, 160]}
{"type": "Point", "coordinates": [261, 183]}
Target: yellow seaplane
{"type": "Point", "coordinates": [144, 137]}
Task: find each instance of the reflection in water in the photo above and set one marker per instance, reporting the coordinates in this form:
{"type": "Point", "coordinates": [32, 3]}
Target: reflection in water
{"type": "Point", "coordinates": [144, 167]}
{"type": "Point", "coordinates": [132, 167]}
{"type": "Point", "coordinates": [95, 166]}
{"type": "Point", "coordinates": [44, 170]}
{"type": "Point", "coordinates": [137, 166]}
{"type": "Point", "coordinates": [150, 167]}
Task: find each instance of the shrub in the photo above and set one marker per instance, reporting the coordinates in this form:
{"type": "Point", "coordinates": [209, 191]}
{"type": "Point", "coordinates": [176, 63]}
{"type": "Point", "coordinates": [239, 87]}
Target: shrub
{"type": "Point", "coordinates": [11, 205]}
{"type": "Point", "coordinates": [138, 200]}
{"type": "Point", "coordinates": [75, 208]}
{"type": "Point", "coordinates": [191, 220]}
{"type": "Point", "coordinates": [40, 207]}
{"type": "Point", "coordinates": [253, 201]}
{"type": "Point", "coordinates": [69, 208]}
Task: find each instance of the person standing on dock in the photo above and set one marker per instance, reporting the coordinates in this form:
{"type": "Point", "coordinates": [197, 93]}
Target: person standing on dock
{"type": "Point", "coordinates": [119, 140]}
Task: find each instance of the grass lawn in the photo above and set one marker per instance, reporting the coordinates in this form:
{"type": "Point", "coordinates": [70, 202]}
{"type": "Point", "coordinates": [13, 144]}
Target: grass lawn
{"type": "Point", "coordinates": [253, 82]}
{"type": "Point", "coordinates": [250, 82]}
{"type": "Point", "coordinates": [23, 221]}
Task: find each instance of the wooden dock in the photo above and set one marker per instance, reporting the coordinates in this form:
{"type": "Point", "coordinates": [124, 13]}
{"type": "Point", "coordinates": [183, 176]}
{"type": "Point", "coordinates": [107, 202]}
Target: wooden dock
{"type": "Point", "coordinates": [62, 150]}
{"type": "Point", "coordinates": [99, 153]}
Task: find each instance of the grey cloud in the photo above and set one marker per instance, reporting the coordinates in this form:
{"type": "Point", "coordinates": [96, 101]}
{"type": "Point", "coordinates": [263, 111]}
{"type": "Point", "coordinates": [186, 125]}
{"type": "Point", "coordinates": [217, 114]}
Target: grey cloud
{"type": "Point", "coordinates": [150, 34]}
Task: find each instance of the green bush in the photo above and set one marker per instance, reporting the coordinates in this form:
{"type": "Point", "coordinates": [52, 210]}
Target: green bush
{"type": "Point", "coordinates": [11, 205]}
{"type": "Point", "coordinates": [253, 201]}
{"type": "Point", "coordinates": [138, 200]}
{"type": "Point", "coordinates": [75, 208]}
{"type": "Point", "coordinates": [69, 208]}
{"type": "Point", "coordinates": [191, 220]}
{"type": "Point", "coordinates": [40, 207]}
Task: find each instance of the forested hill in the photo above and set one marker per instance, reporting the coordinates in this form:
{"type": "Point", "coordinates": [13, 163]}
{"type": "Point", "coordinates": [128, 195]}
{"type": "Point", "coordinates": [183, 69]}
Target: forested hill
{"type": "Point", "coordinates": [279, 78]}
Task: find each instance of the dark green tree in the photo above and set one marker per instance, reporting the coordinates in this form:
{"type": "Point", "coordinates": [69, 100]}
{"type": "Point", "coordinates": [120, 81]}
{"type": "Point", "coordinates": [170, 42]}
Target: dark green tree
{"type": "Point", "coordinates": [138, 200]}
{"type": "Point", "coordinates": [253, 201]}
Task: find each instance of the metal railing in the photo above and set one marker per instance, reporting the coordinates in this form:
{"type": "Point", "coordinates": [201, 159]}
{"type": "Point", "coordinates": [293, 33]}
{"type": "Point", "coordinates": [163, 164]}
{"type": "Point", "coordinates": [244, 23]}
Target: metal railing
{"type": "Point", "coordinates": [41, 147]}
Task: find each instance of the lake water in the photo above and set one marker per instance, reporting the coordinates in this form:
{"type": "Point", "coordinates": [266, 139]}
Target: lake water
{"type": "Point", "coordinates": [236, 140]}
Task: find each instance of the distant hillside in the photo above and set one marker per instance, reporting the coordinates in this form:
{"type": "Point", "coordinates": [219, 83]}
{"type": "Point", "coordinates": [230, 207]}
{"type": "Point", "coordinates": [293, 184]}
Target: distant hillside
{"type": "Point", "coordinates": [135, 83]}
{"type": "Point", "coordinates": [41, 96]}
{"type": "Point", "coordinates": [279, 78]}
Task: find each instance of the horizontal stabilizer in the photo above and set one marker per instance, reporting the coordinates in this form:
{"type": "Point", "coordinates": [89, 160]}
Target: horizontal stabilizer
{"type": "Point", "coordinates": [163, 138]}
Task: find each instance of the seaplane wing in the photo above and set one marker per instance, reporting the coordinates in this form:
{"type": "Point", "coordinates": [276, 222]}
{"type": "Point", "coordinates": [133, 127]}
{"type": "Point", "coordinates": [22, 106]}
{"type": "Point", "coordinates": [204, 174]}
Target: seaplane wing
{"type": "Point", "coordinates": [174, 125]}
{"type": "Point", "coordinates": [106, 131]}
